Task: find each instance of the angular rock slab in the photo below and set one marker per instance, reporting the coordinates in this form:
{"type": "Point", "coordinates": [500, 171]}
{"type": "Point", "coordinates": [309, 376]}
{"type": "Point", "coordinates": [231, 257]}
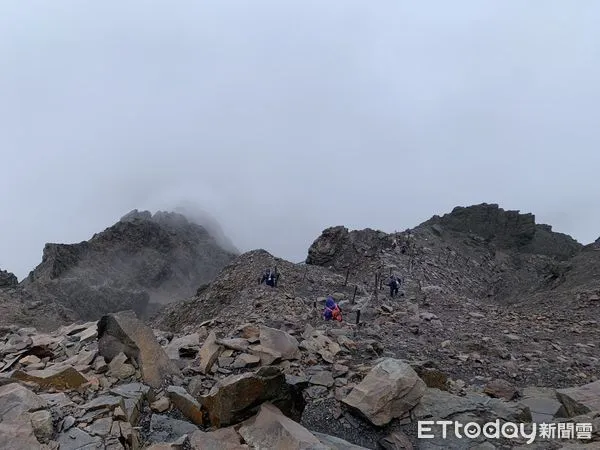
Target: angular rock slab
{"type": "Point", "coordinates": [221, 439]}
{"type": "Point", "coordinates": [437, 404]}
{"type": "Point", "coordinates": [335, 443]}
{"type": "Point", "coordinates": [77, 439]}
{"type": "Point", "coordinates": [390, 390]}
{"type": "Point", "coordinates": [209, 353]}
{"type": "Point", "coordinates": [185, 403]}
{"type": "Point", "coordinates": [164, 428]}
{"type": "Point", "coordinates": [279, 342]}
{"type": "Point", "coordinates": [16, 400]}
{"type": "Point", "coordinates": [123, 332]}
{"type": "Point", "coordinates": [237, 397]}
{"type": "Point", "coordinates": [172, 349]}
{"type": "Point", "coordinates": [543, 403]}
{"type": "Point", "coordinates": [271, 429]}
{"type": "Point", "coordinates": [580, 400]}
{"type": "Point", "coordinates": [60, 378]}
{"type": "Point", "coordinates": [133, 395]}
{"type": "Point", "coordinates": [18, 434]}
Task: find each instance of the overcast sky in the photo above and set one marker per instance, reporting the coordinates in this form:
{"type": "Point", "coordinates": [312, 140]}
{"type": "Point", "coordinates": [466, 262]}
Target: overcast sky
{"type": "Point", "coordinates": [281, 118]}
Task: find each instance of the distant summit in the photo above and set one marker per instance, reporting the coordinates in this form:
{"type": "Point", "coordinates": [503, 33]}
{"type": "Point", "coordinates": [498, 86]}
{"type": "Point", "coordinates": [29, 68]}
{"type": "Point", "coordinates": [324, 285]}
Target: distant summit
{"type": "Point", "coordinates": [141, 261]}
{"type": "Point", "coordinates": [7, 279]}
{"type": "Point", "coordinates": [508, 230]}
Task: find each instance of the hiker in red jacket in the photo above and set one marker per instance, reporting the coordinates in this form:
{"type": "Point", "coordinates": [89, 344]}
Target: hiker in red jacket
{"type": "Point", "coordinates": [332, 310]}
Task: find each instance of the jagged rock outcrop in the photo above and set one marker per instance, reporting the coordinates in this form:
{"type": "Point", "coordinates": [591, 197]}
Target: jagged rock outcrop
{"type": "Point", "coordinates": [339, 247]}
{"type": "Point", "coordinates": [7, 279]}
{"type": "Point", "coordinates": [142, 261]}
{"type": "Point", "coordinates": [508, 230]}
{"type": "Point", "coordinates": [477, 251]}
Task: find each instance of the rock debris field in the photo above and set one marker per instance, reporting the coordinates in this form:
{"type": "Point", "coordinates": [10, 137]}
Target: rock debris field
{"type": "Point", "coordinates": [497, 320]}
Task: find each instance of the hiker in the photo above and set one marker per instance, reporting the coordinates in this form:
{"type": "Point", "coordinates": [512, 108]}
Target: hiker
{"type": "Point", "coordinates": [270, 277]}
{"type": "Point", "coordinates": [394, 285]}
{"type": "Point", "coordinates": [332, 310]}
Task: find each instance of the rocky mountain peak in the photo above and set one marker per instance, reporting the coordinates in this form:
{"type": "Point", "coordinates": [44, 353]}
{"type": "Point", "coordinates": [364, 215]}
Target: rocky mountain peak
{"type": "Point", "coordinates": [507, 229]}
{"type": "Point", "coordinates": [7, 279]}
{"type": "Point", "coordinates": [136, 215]}
{"type": "Point", "coordinates": [141, 261]}
{"type": "Point", "coordinates": [338, 247]}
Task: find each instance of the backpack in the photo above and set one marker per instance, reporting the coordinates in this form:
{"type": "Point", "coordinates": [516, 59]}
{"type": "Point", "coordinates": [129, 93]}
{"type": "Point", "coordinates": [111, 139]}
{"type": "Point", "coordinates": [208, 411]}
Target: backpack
{"type": "Point", "coordinates": [336, 313]}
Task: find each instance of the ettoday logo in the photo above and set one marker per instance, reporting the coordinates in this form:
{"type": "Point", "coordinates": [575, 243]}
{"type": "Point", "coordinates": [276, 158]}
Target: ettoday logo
{"type": "Point", "coordinates": [507, 430]}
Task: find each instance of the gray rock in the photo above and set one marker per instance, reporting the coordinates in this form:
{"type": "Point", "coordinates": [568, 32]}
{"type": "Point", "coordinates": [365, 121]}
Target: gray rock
{"type": "Point", "coordinates": [100, 427]}
{"type": "Point", "coordinates": [543, 404]}
{"type": "Point", "coordinates": [41, 421]}
{"type": "Point", "coordinates": [335, 443]}
{"type": "Point", "coordinates": [104, 402]}
{"type": "Point", "coordinates": [209, 353]}
{"type": "Point", "coordinates": [390, 390]}
{"type": "Point", "coordinates": [16, 400]}
{"type": "Point", "coordinates": [323, 378]}
{"type": "Point", "coordinates": [134, 395]}
{"type": "Point", "coordinates": [580, 400]}
{"type": "Point", "coordinates": [123, 332]}
{"type": "Point", "coordinates": [166, 429]}
{"type": "Point", "coordinates": [271, 429]}
{"type": "Point", "coordinates": [77, 439]}
{"type": "Point", "coordinates": [188, 406]}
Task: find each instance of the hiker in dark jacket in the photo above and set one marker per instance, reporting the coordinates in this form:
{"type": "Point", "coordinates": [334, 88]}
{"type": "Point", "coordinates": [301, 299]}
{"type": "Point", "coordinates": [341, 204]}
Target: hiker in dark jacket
{"type": "Point", "coordinates": [394, 285]}
{"type": "Point", "coordinates": [270, 277]}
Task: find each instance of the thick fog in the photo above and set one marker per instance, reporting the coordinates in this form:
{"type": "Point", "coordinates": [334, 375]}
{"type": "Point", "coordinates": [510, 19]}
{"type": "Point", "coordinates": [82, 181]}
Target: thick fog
{"type": "Point", "coordinates": [281, 118]}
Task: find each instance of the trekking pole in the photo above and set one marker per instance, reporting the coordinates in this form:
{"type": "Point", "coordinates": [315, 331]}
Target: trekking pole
{"type": "Point", "coordinates": [347, 274]}
{"type": "Point", "coordinates": [357, 317]}
{"type": "Point", "coordinates": [354, 296]}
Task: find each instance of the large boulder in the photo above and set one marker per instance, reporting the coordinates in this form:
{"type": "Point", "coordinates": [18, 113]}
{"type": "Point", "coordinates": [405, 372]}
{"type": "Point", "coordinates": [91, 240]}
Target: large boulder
{"type": "Point", "coordinates": [279, 342]}
{"type": "Point", "coordinates": [237, 397]}
{"type": "Point", "coordinates": [580, 400]}
{"type": "Point", "coordinates": [390, 390]}
{"type": "Point", "coordinates": [18, 434]}
{"type": "Point", "coordinates": [16, 428]}
{"type": "Point", "coordinates": [16, 400]}
{"type": "Point", "coordinates": [123, 332]}
{"type": "Point", "coordinates": [271, 429]}
{"type": "Point", "coordinates": [543, 404]}
{"type": "Point", "coordinates": [221, 439]}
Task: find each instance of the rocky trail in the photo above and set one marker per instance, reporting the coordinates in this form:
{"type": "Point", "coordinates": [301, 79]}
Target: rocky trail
{"type": "Point", "coordinates": [116, 384]}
